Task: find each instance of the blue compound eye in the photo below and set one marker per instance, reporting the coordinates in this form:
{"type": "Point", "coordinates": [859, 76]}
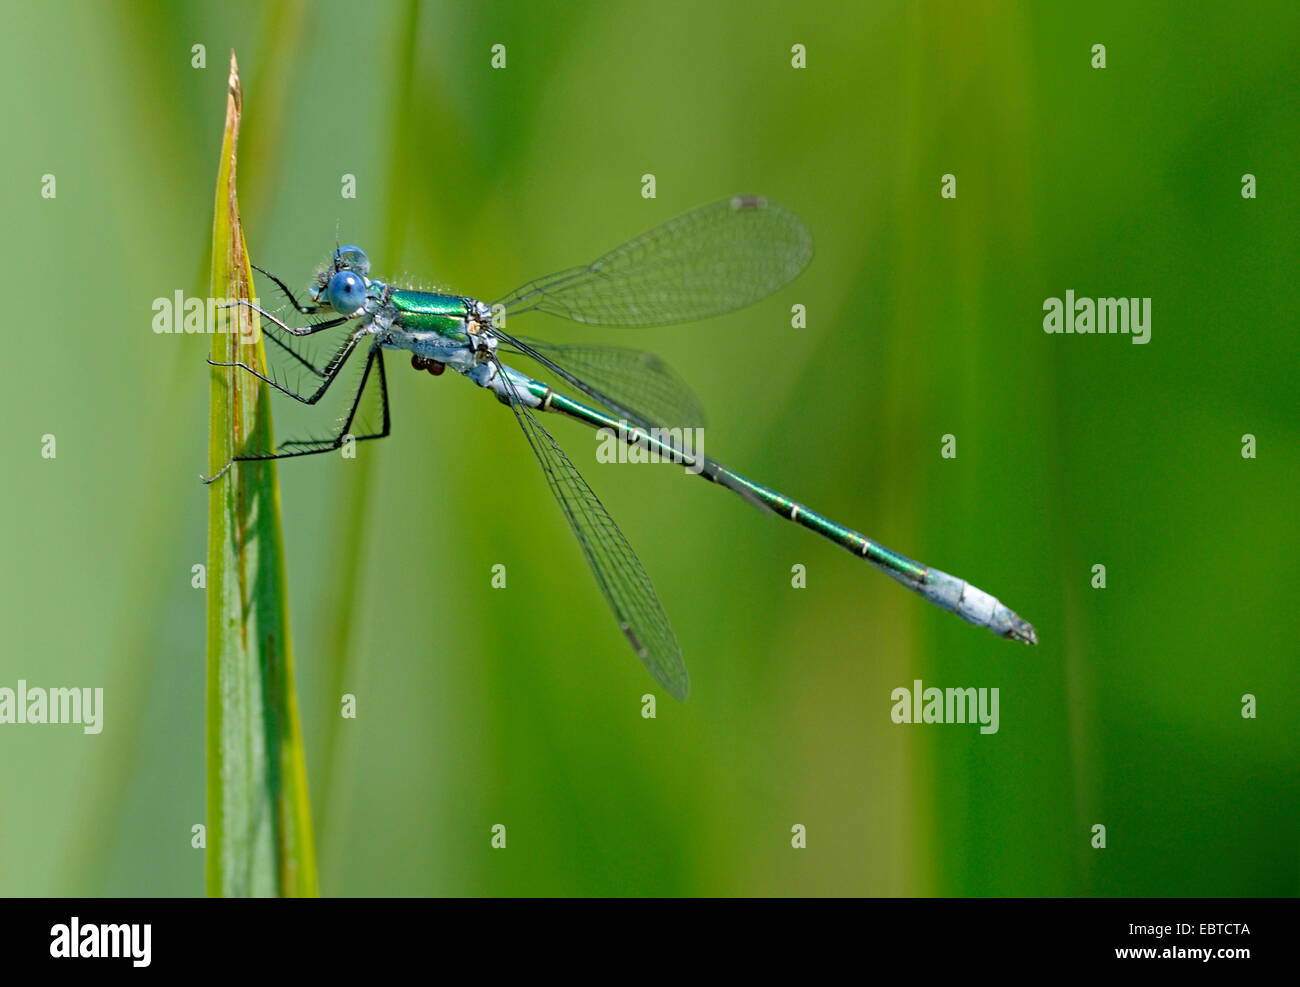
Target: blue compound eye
{"type": "Point", "coordinates": [347, 292]}
{"type": "Point", "coordinates": [352, 259]}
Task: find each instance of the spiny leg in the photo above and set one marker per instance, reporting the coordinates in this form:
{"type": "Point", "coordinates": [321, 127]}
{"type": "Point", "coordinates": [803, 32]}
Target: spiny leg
{"type": "Point", "coordinates": [297, 357]}
{"type": "Point", "coordinates": [374, 359]}
{"type": "Point", "coordinates": [318, 446]}
{"type": "Point", "coordinates": [327, 375]}
{"type": "Point", "coordinates": [310, 330]}
{"type": "Point", "coordinates": [304, 309]}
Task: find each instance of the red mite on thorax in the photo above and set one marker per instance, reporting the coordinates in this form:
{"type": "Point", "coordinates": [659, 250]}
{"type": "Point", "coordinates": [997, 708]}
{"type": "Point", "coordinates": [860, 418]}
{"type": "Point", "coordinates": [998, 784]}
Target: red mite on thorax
{"type": "Point", "coordinates": [433, 366]}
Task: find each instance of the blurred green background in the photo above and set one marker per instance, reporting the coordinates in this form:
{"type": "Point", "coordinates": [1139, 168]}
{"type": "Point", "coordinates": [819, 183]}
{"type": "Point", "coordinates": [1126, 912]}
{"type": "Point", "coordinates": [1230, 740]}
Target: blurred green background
{"type": "Point", "coordinates": [522, 706]}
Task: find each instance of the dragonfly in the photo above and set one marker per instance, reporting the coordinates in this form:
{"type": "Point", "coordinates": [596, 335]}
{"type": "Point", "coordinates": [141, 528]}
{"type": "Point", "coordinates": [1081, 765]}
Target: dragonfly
{"type": "Point", "coordinates": [715, 259]}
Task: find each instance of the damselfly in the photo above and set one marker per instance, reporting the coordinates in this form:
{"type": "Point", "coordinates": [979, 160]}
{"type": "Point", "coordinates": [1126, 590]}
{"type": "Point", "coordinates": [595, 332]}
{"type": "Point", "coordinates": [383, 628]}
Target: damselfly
{"type": "Point", "coordinates": [715, 259]}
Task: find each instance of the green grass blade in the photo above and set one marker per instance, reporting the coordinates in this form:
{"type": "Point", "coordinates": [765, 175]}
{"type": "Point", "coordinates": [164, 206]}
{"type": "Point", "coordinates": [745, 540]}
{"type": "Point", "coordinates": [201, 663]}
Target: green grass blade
{"type": "Point", "coordinates": [259, 839]}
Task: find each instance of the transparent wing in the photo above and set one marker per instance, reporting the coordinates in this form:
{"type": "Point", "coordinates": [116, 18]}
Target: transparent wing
{"type": "Point", "coordinates": [618, 571]}
{"type": "Point", "coordinates": [715, 259]}
{"type": "Point", "coordinates": [632, 383]}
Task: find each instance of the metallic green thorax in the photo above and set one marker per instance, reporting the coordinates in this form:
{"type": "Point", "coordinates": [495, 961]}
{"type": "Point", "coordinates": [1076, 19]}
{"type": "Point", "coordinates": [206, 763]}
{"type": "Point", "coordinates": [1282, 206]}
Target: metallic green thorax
{"type": "Point", "coordinates": [423, 311]}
